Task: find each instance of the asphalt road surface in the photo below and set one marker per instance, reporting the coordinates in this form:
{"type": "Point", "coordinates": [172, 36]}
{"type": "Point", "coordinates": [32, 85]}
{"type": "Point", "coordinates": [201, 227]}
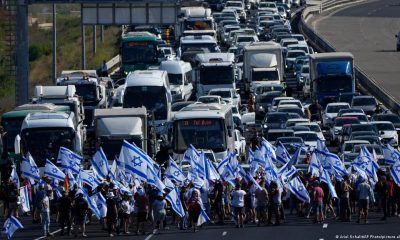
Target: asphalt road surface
{"type": "Point", "coordinates": [368, 31]}
{"type": "Point", "coordinates": [293, 228]}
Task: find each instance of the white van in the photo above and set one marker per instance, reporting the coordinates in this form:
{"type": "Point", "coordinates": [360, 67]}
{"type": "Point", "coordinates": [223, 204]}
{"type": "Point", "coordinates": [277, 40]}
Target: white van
{"type": "Point", "coordinates": [180, 79]}
{"type": "Point", "coordinates": [149, 89]}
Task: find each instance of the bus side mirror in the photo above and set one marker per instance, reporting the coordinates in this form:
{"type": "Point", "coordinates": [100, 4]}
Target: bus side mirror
{"type": "Point", "coordinates": [17, 144]}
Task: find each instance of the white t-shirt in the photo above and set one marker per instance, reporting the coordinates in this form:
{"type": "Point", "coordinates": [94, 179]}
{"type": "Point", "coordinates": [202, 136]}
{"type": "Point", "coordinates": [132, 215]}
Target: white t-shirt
{"type": "Point", "coordinates": [238, 198]}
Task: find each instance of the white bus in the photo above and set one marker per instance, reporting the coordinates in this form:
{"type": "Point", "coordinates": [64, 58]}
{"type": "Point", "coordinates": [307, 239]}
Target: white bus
{"type": "Point", "coordinates": [206, 127]}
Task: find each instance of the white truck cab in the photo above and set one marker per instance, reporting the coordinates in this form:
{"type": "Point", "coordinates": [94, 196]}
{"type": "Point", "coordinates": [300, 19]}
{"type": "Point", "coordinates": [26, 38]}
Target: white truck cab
{"type": "Point", "coordinates": [180, 79]}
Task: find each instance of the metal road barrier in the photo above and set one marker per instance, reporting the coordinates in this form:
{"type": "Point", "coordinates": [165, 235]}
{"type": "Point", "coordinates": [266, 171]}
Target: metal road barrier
{"type": "Point", "coordinates": [113, 64]}
{"type": "Point", "coordinates": [321, 45]}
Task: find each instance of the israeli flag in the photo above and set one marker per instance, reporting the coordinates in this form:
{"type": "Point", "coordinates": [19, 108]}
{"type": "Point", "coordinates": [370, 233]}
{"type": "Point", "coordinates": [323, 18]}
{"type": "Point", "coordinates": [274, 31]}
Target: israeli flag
{"type": "Point", "coordinates": [174, 199]}
{"type": "Point", "coordinates": [53, 171]}
{"type": "Point", "coordinates": [168, 184]}
{"type": "Point", "coordinates": [14, 177]}
{"type": "Point", "coordinates": [336, 163]}
{"type": "Point", "coordinates": [297, 187]}
{"type": "Point", "coordinates": [135, 161]}
{"type": "Point", "coordinates": [112, 171]}
{"type": "Point", "coordinates": [294, 160]}
{"type": "Point", "coordinates": [326, 178]}
{"type": "Point", "coordinates": [69, 160]}
{"type": "Point", "coordinates": [287, 173]}
{"type": "Point", "coordinates": [152, 179]}
{"type": "Point", "coordinates": [282, 155]}
{"type": "Point", "coordinates": [259, 157]}
{"type": "Point", "coordinates": [24, 199]}
{"type": "Point", "coordinates": [211, 173]}
{"type": "Point", "coordinates": [10, 226]}
{"type": "Point", "coordinates": [390, 154]}
{"type": "Point", "coordinates": [395, 172]}
{"type": "Point", "coordinates": [92, 204]}
{"type": "Point", "coordinates": [29, 169]}
{"type": "Point", "coordinates": [268, 150]}
{"type": "Point", "coordinates": [203, 217]}
{"type": "Point", "coordinates": [174, 172]}
{"type": "Point", "coordinates": [315, 167]}
{"type": "Point", "coordinates": [100, 203]}
{"type": "Point", "coordinates": [88, 178]}
{"type": "Point", "coordinates": [100, 163]}
{"type": "Point", "coordinates": [122, 188]}
{"type": "Point", "coordinates": [223, 163]}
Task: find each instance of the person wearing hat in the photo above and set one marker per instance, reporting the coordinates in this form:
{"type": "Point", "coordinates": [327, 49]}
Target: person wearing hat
{"type": "Point", "coordinates": [64, 212]}
{"type": "Point", "coordinates": [159, 211]}
{"type": "Point", "coordinates": [112, 214]}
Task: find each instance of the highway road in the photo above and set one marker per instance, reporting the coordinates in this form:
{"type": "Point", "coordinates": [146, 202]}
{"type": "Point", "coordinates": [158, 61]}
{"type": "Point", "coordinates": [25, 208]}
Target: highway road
{"type": "Point", "coordinates": [368, 31]}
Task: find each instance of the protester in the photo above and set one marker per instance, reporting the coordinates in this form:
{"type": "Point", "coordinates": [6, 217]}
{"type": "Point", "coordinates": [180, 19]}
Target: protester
{"type": "Point", "coordinates": [64, 212]}
{"type": "Point", "coordinates": [365, 197]}
{"type": "Point", "coordinates": [194, 207]}
{"type": "Point", "coordinates": [261, 195]}
{"type": "Point", "coordinates": [238, 204]}
{"type": "Point", "coordinates": [141, 204]}
{"type": "Point", "coordinates": [112, 213]}
{"type": "Point", "coordinates": [345, 212]}
{"type": "Point", "coordinates": [159, 212]}
{"type": "Point", "coordinates": [80, 209]}
{"type": "Point", "coordinates": [45, 203]}
{"type": "Point", "coordinates": [318, 206]}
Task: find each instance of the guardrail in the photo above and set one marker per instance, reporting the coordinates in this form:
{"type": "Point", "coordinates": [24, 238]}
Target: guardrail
{"type": "Point", "coordinates": [113, 64]}
{"type": "Point", "coordinates": [322, 45]}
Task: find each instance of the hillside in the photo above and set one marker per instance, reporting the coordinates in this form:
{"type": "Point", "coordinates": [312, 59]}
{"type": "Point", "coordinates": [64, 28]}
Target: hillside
{"type": "Point", "coordinates": [68, 52]}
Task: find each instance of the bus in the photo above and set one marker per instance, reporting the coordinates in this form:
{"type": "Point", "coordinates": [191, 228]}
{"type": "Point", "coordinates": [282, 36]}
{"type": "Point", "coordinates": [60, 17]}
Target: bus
{"type": "Point", "coordinates": [138, 51]}
{"type": "Point", "coordinates": [206, 127]}
{"type": "Point", "coordinates": [330, 75]}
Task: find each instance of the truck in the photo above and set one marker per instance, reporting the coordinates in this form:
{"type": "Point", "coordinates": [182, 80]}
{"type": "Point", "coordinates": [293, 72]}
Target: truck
{"type": "Point", "coordinates": [138, 51]}
{"type": "Point", "coordinates": [43, 133]}
{"type": "Point", "coordinates": [206, 127]}
{"type": "Point", "coordinates": [93, 90]}
{"type": "Point", "coordinates": [214, 70]}
{"type": "Point", "coordinates": [264, 69]}
{"type": "Point", "coordinates": [330, 75]}
{"type": "Point", "coordinates": [192, 45]}
{"type": "Point", "coordinates": [259, 62]}
{"type": "Point", "coordinates": [195, 18]}
{"type": "Point", "coordinates": [113, 126]}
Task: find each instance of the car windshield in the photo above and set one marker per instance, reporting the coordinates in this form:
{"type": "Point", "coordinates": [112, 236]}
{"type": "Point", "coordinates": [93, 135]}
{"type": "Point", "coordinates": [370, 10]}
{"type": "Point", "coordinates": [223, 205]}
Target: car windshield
{"type": "Point", "coordinates": [336, 108]}
{"type": "Point", "coordinates": [277, 118]}
{"type": "Point", "coordinates": [245, 39]}
{"type": "Point", "coordinates": [339, 122]}
{"type": "Point", "coordinates": [363, 127]}
{"type": "Point", "coordinates": [267, 98]}
{"type": "Point", "coordinates": [209, 100]}
{"type": "Point", "coordinates": [364, 101]}
{"type": "Point", "coordinates": [307, 136]}
{"type": "Point", "coordinates": [292, 110]}
{"type": "Point", "coordinates": [384, 126]}
{"type": "Point", "coordinates": [139, 52]}
{"type": "Point", "coordinates": [223, 94]}
{"type": "Point", "coordinates": [284, 140]}
{"type": "Point", "coordinates": [295, 54]}
{"type": "Point", "coordinates": [387, 117]}
{"type": "Point", "coordinates": [314, 127]}
{"type": "Point", "coordinates": [175, 79]}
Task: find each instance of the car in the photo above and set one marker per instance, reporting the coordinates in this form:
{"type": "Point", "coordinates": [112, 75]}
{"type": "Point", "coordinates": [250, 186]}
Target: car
{"type": "Point", "coordinates": [360, 116]}
{"type": "Point", "coordinates": [272, 134]}
{"type": "Point", "coordinates": [372, 139]}
{"type": "Point", "coordinates": [348, 146]}
{"type": "Point", "coordinates": [336, 129]}
{"type": "Point", "coordinates": [366, 103]}
{"type": "Point", "coordinates": [391, 117]}
{"type": "Point", "coordinates": [264, 101]}
{"type": "Point", "coordinates": [313, 127]}
{"type": "Point", "coordinates": [387, 132]}
{"type": "Point", "coordinates": [302, 76]}
{"type": "Point", "coordinates": [331, 111]}
{"type": "Point", "coordinates": [229, 95]}
{"type": "Point", "coordinates": [263, 87]}
{"type": "Point", "coordinates": [374, 149]}
{"type": "Point", "coordinates": [211, 99]}
{"type": "Point", "coordinates": [291, 108]}
{"type": "Point", "coordinates": [291, 57]}
{"type": "Point", "coordinates": [347, 97]}
{"type": "Point", "coordinates": [291, 102]}
{"type": "Point", "coordinates": [276, 101]}
{"type": "Point", "coordinates": [349, 110]}
{"type": "Point", "coordinates": [310, 138]}
{"type": "Point", "coordinates": [240, 144]}
{"type": "Point", "coordinates": [348, 129]}
{"type": "Point", "coordinates": [288, 143]}
{"type": "Point", "coordinates": [243, 40]}
{"type": "Point", "coordinates": [362, 133]}
{"type": "Point", "coordinates": [276, 120]}
{"type": "Point", "coordinates": [296, 121]}
{"type": "Point", "coordinates": [297, 128]}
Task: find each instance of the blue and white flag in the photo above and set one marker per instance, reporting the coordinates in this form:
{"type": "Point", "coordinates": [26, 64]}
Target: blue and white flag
{"type": "Point", "coordinates": [336, 163]}
{"type": "Point", "coordinates": [297, 188]}
{"type": "Point", "coordinates": [395, 172]}
{"type": "Point", "coordinates": [14, 177]}
{"type": "Point", "coordinates": [88, 178]}
{"type": "Point", "coordinates": [173, 197]}
{"type": "Point", "coordinates": [29, 169]}
{"type": "Point", "coordinates": [196, 159]}
{"type": "Point", "coordinates": [100, 203]}
{"type": "Point", "coordinates": [71, 179]}
{"type": "Point", "coordinates": [112, 171]}
{"type": "Point", "coordinates": [92, 204]}
{"type": "Point", "coordinates": [168, 184]}
{"type": "Point", "coordinates": [268, 150]}
{"type": "Point", "coordinates": [211, 173]}
{"type": "Point", "coordinates": [287, 173]}
{"type": "Point", "coordinates": [153, 179]}
{"type": "Point", "coordinates": [24, 199]}
{"type": "Point", "coordinates": [390, 154]}
{"type": "Point", "coordinates": [294, 160]}
{"type": "Point", "coordinates": [203, 217]}
{"type": "Point", "coordinates": [259, 157]}
{"type": "Point", "coordinates": [53, 171]}
{"type": "Point", "coordinates": [135, 161]}
{"type": "Point", "coordinates": [223, 163]}
{"type": "Point", "coordinates": [10, 226]}
{"type": "Point", "coordinates": [100, 163]}
{"type": "Point", "coordinates": [69, 160]}
{"type": "Point", "coordinates": [315, 167]}
{"type": "Point", "coordinates": [175, 172]}
{"type": "Point", "coordinates": [282, 155]}
{"type": "Point", "coordinates": [326, 178]}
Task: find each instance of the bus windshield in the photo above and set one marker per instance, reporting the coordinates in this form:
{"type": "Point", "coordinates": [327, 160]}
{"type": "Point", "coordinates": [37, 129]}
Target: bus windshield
{"type": "Point", "coordinates": [201, 133]}
{"type": "Point", "coordinates": [216, 75]}
{"type": "Point", "coordinates": [44, 143]}
{"type": "Point", "coordinates": [154, 98]}
{"type": "Point", "coordinates": [139, 52]}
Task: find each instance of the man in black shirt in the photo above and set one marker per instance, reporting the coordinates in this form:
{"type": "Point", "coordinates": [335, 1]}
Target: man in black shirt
{"type": "Point", "coordinates": [64, 210]}
{"type": "Point", "coordinates": [315, 110]}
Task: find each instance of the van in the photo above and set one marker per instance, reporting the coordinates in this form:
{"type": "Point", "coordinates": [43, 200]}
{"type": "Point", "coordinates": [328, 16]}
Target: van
{"type": "Point", "coordinates": [150, 89]}
{"type": "Point", "coordinates": [180, 79]}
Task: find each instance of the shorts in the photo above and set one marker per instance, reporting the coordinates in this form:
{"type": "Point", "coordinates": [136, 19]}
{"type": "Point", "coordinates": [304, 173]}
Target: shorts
{"type": "Point", "coordinates": [238, 210]}
{"type": "Point", "coordinates": [363, 203]}
{"type": "Point", "coordinates": [318, 207]}
{"type": "Point", "coordinates": [142, 216]}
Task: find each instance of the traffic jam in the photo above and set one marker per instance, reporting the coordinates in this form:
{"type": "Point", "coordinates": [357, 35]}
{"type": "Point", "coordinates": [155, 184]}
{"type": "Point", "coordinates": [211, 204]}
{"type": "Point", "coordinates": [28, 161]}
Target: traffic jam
{"type": "Point", "coordinates": [230, 94]}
